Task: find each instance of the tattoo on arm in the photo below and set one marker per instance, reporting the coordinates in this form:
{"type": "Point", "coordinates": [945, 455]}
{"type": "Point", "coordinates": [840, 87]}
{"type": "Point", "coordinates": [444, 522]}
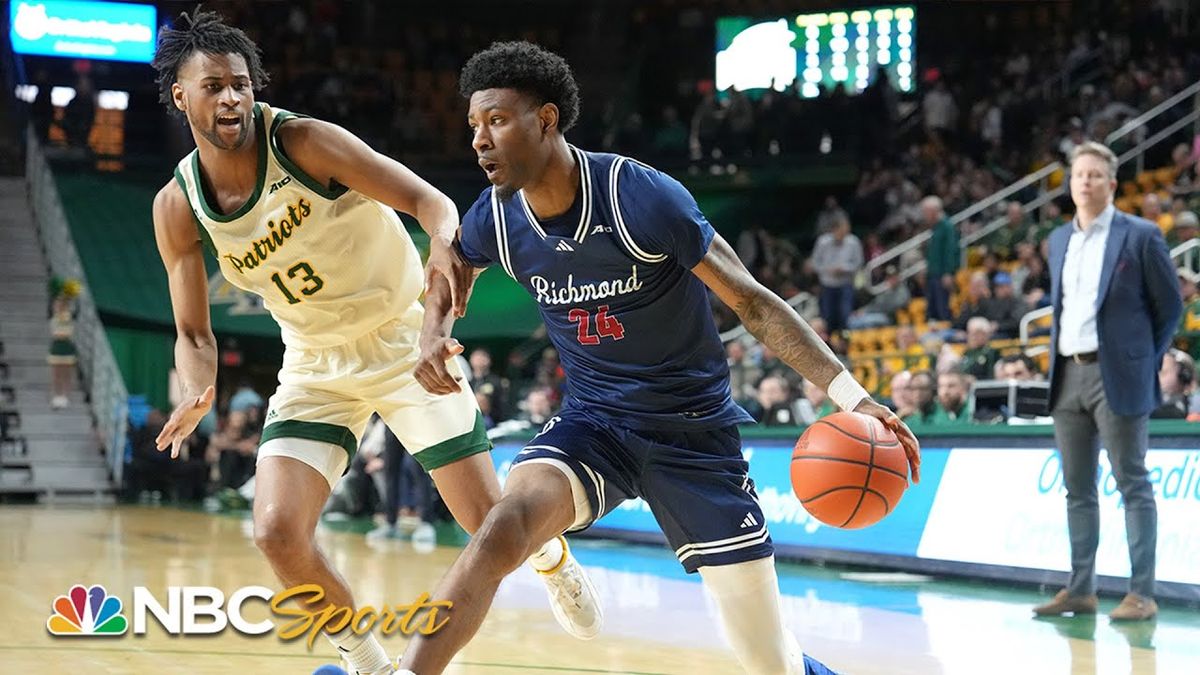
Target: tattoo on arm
{"type": "Point", "coordinates": [777, 326]}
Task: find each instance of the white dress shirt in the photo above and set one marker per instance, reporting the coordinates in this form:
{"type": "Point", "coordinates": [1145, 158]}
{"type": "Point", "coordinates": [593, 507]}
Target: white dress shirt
{"type": "Point", "coordinates": [1081, 285]}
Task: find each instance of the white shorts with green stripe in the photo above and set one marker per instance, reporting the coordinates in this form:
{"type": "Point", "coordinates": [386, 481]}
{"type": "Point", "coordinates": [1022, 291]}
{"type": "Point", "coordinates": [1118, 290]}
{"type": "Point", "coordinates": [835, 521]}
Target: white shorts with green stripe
{"type": "Point", "coordinates": [326, 397]}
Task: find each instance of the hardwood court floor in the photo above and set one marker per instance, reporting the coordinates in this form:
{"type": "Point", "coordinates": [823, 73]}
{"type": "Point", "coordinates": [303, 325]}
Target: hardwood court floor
{"type": "Point", "coordinates": [658, 621]}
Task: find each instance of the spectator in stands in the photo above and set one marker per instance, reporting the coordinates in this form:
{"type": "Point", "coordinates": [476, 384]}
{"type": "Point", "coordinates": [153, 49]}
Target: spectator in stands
{"type": "Point", "coordinates": [1035, 290]}
{"type": "Point", "coordinates": [923, 386]}
{"type": "Point", "coordinates": [1187, 227]}
{"type": "Point", "coordinates": [907, 342]}
{"type": "Point", "coordinates": [1016, 229]}
{"type": "Point", "coordinates": [1019, 367]}
{"type": "Point", "coordinates": [773, 403]}
{"type": "Point", "coordinates": [1052, 217]}
{"type": "Point", "coordinates": [902, 400]}
{"type": "Point", "coordinates": [830, 215]}
{"type": "Point", "coordinates": [979, 361]}
{"type": "Point", "coordinates": [1152, 211]}
{"type": "Point", "coordinates": [485, 409]}
{"type": "Point", "coordinates": [486, 383]}
{"type": "Point", "coordinates": [1074, 136]}
{"type": "Point", "coordinates": [538, 408]}
{"type": "Point", "coordinates": [1177, 379]}
{"type": "Point", "coordinates": [941, 113]}
{"type": "Point", "coordinates": [881, 311]}
{"type": "Point", "coordinates": [234, 447]}
{"type": "Point", "coordinates": [838, 257]}
{"type": "Point", "coordinates": [1025, 250]}
{"type": "Point", "coordinates": [942, 258]}
{"type": "Point", "coordinates": [1190, 322]}
{"type": "Point", "coordinates": [953, 405]}
{"type": "Point", "coordinates": [814, 405]}
{"type": "Point", "coordinates": [977, 302]}
{"type": "Point", "coordinates": [744, 374]}
{"type": "Point", "coordinates": [1006, 309]}
{"type": "Point", "coordinates": [245, 398]}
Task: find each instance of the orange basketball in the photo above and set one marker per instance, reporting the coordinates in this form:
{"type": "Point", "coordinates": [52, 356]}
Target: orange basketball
{"type": "Point", "coordinates": [848, 470]}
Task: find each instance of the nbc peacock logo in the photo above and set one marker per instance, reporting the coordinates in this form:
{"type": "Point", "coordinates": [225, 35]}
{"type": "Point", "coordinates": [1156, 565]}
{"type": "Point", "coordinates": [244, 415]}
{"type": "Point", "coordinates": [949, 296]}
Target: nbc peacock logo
{"type": "Point", "coordinates": [87, 611]}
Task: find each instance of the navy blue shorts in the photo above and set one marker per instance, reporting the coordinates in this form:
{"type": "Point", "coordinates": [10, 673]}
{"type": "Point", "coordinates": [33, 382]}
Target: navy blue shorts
{"type": "Point", "coordinates": [695, 482]}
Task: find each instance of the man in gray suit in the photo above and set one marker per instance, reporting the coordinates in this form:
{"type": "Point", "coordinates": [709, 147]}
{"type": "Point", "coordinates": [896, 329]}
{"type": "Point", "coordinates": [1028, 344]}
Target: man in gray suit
{"type": "Point", "coordinates": [1116, 307]}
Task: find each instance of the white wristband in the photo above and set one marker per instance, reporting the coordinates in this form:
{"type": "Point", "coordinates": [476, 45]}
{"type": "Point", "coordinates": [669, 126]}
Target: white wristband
{"type": "Point", "coordinates": [846, 392]}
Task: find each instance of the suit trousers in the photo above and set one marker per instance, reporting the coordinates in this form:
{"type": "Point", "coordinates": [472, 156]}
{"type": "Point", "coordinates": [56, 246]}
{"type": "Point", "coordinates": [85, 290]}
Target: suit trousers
{"type": "Point", "coordinates": [1082, 422]}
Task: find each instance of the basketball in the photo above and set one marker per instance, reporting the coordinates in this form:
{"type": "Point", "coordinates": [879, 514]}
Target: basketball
{"type": "Point", "coordinates": [849, 470]}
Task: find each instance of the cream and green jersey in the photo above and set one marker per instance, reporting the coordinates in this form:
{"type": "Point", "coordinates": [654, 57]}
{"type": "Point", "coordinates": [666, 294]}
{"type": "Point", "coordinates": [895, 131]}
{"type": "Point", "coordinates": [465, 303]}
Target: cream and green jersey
{"type": "Point", "coordinates": [329, 263]}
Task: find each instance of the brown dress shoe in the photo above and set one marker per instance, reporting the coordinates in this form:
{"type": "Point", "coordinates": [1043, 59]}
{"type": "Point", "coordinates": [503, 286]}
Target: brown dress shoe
{"type": "Point", "coordinates": [1134, 607]}
{"type": "Point", "coordinates": [1067, 604]}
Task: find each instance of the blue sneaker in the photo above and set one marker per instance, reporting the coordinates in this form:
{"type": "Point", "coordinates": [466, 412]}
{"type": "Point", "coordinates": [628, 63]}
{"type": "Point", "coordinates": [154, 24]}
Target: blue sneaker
{"type": "Point", "coordinates": [329, 670]}
{"type": "Point", "coordinates": [813, 667]}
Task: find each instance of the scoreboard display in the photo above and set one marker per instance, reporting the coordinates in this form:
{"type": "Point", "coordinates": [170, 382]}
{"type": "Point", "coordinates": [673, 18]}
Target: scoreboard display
{"type": "Point", "coordinates": [818, 50]}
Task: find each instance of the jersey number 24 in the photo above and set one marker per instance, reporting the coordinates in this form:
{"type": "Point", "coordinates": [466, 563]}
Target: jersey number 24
{"type": "Point", "coordinates": [606, 326]}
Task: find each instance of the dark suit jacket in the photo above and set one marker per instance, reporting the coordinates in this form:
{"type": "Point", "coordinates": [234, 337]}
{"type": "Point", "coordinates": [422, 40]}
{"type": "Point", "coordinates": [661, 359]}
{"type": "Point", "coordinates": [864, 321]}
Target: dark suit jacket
{"type": "Point", "coordinates": [1137, 311]}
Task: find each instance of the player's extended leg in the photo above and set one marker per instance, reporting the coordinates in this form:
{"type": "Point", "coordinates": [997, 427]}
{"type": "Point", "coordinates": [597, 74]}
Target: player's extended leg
{"type": "Point", "coordinates": [288, 498]}
{"type": "Point", "coordinates": [470, 489]}
{"type": "Point", "coordinates": [747, 598]}
{"type": "Point", "coordinates": [537, 505]}
{"type": "Point", "coordinates": [697, 485]}
{"type": "Point", "coordinates": [446, 436]}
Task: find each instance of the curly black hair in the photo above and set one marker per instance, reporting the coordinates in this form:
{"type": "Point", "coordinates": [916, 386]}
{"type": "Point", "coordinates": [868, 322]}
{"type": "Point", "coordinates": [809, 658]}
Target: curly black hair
{"type": "Point", "coordinates": [527, 68]}
{"type": "Point", "coordinates": [204, 32]}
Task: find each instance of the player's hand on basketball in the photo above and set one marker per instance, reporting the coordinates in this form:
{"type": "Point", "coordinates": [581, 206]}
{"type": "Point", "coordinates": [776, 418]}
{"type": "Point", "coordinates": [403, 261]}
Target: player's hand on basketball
{"type": "Point", "coordinates": [431, 370]}
{"type": "Point", "coordinates": [183, 421]}
{"type": "Point", "coordinates": [912, 449]}
{"type": "Point", "coordinates": [445, 260]}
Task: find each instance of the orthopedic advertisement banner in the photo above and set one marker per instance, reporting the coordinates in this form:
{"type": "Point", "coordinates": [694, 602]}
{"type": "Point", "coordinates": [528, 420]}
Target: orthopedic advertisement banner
{"type": "Point", "coordinates": [78, 28]}
{"type": "Point", "coordinates": [992, 506]}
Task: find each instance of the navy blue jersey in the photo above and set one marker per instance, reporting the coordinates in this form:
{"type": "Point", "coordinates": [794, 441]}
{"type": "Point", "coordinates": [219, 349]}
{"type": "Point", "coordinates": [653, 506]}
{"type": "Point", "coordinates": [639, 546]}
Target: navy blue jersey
{"type": "Point", "coordinates": [612, 279]}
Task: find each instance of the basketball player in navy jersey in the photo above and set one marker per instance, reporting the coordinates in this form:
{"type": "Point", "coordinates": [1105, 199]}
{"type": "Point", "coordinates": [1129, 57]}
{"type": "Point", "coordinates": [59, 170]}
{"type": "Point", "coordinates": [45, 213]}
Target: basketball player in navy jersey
{"type": "Point", "coordinates": [620, 261]}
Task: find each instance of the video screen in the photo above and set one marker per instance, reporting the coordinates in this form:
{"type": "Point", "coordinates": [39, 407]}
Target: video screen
{"type": "Point", "coordinates": [818, 50]}
{"type": "Point", "coordinates": [94, 30]}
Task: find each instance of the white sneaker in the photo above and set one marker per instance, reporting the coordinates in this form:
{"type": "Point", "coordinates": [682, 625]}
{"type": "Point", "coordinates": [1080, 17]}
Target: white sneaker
{"type": "Point", "coordinates": [394, 666]}
{"type": "Point", "coordinates": [573, 597]}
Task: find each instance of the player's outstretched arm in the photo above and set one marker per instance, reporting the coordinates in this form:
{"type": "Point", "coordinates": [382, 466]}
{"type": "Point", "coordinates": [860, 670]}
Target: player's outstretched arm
{"type": "Point", "coordinates": [331, 154]}
{"type": "Point", "coordinates": [779, 327]}
{"type": "Point", "coordinates": [195, 347]}
{"type": "Point", "coordinates": [435, 343]}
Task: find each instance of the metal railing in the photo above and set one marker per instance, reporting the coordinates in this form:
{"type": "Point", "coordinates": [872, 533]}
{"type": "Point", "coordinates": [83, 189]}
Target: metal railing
{"type": "Point", "coordinates": [1044, 197]}
{"type": "Point", "coordinates": [804, 304]}
{"type": "Point", "coordinates": [1027, 321]}
{"type": "Point", "coordinates": [919, 239]}
{"type": "Point", "coordinates": [1138, 152]}
{"type": "Point", "coordinates": [102, 379]}
{"type": "Point", "coordinates": [1185, 254]}
{"type": "Point", "coordinates": [1140, 121]}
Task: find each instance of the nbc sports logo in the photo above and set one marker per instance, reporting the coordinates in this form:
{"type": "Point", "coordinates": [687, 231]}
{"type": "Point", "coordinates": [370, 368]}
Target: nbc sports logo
{"type": "Point", "coordinates": [87, 611]}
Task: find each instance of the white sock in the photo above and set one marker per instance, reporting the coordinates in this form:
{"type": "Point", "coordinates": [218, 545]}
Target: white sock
{"type": "Point", "coordinates": [362, 652]}
{"type": "Point", "coordinates": [549, 556]}
{"type": "Point", "coordinates": [747, 596]}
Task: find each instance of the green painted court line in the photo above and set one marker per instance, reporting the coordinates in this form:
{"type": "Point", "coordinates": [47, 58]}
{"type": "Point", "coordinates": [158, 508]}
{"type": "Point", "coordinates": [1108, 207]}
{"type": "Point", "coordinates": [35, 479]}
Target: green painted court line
{"type": "Point", "coordinates": [197, 652]}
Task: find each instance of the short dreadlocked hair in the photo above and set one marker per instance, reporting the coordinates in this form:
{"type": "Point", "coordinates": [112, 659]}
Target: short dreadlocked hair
{"type": "Point", "coordinates": [529, 69]}
{"type": "Point", "coordinates": [201, 32]}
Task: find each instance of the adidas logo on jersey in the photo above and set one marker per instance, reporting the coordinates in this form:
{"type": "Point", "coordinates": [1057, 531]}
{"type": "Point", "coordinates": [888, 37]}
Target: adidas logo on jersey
{"type": "Point", "coordinates": [563, 246]}
{"type": "Point", "coordinates": [749, 521]}
{"type": "Point", "coordinates": [275, 186]}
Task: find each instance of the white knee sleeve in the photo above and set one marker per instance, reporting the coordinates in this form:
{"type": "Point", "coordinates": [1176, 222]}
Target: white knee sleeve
{"type": "Point", "coordinates": [747, 596]}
